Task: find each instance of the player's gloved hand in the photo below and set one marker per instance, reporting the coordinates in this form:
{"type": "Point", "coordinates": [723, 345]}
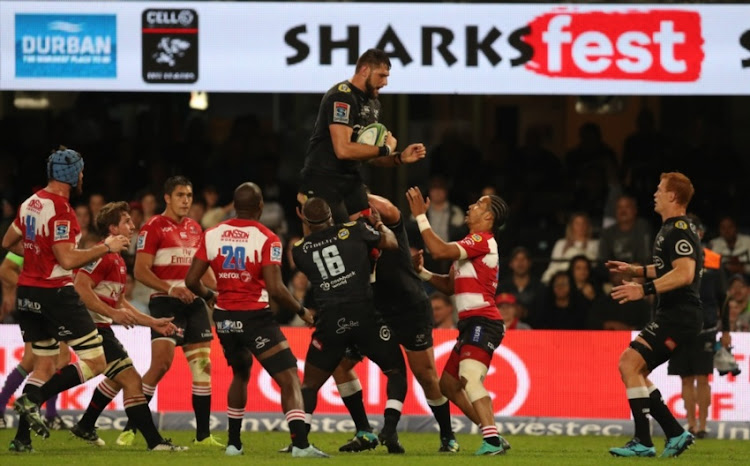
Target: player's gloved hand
{"type": "Point", "coordinates": [182, 293]}
{"type": "Point", "coordinates": [413, 153]}
{"type": "Point", "coordinates": [117, 243]}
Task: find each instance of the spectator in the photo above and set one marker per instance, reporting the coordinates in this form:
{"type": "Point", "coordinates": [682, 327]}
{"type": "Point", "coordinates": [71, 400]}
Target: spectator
{"type": "Point", "coordinates": [443, 311]}
{"type": "Point", "coordinates": [83, 214]}
{"type": "Point", "coordinates": [577, 241]}
{"type": "Point", "coordinates": [739, 319]}
{"type": "Point", "coordinates": [740, 292]}
{"type": "Point", "coordinates": [643, 153]}
{"type": "Point", "coordinates": [197, 210]}
{"type": "Point", "coordinates": [96, 202]}
{"type": "Point", "coordinates": [629, 239]}
{"type": "Point", "coordinates": [734, 247]}
{"type": "Point", "coordinates": [138, 302]}
{"type": "Point", "coordinates": [563, 309]}
{"type": "Point", "coordinates": [527, 289]}
{"type": "Point", "coordinates": [582, 277]}
{"type": "Point", "coordinates": [149, 205]}
{"type": "Point", "coordinates": [508, 307]}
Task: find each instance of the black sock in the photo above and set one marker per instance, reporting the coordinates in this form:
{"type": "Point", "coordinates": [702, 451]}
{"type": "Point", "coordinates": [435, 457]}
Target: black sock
{"type": "Point", "coordinates": [390, 418]}
{"type": "Point", "coordinates": [129, 425]}
{"type": "Point", "coordinates": [202, 410]}
{"type": "Point", "coordinates": [663, 416]}
{"type": "Point", "coordinates": [33, 393]}
{"type": "Point", "coordinates": [140, 416]}
{"type": "Point", "coordinates": [310, 399]}
{"type": "Point", "coordinates": [356, 408]}
{"type": "Point", "coordinates": [235, 426]}
{"type": "Point", "coordinates": [640, 409]}
{"type": "Point", "coordinates": [442, 415]}
{"type": "Point", "coordinates": [23, 433]}
{"type": "Point", "coordinates": [97, 404]}
{"type": "Point", "coordinates": [67, 377]}
{"type": "Point", "coordinates": [298, 432]}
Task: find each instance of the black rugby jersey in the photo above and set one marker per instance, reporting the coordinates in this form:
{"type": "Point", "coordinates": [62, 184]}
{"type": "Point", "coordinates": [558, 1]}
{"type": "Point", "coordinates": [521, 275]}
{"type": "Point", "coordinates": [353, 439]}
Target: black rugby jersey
{"type": "Point", "coordinates": [343, 104]}
{"type": "Point", "coordinates": [396, 282]}
{"type": "Point", "coordinates": [677, 239]}
{"type": "Point", "coordinates": [336, 261]}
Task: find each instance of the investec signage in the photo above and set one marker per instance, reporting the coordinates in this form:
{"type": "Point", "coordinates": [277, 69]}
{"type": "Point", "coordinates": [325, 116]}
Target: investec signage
{"type": "Point", "coordinates": [434, 48]}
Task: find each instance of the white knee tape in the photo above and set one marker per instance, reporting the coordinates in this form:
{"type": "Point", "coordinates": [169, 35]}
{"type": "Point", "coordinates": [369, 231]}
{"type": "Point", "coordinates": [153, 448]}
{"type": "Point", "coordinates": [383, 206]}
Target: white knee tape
{"type": "Point", "coordinates": [199, 361]}
{"type": "Point", "coordinates": [473, 372]}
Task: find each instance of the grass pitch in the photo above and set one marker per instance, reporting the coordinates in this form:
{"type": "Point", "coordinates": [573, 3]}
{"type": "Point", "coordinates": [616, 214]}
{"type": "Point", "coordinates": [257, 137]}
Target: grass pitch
{"type": "Point", "coordinates": [421, 449]}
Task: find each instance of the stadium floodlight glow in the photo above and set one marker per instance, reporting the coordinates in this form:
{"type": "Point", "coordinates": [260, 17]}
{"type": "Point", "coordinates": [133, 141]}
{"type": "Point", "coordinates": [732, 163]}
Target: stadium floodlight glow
{"type": "Point", "coordinates": [30, 100]}
{"type": "Point", "coordinates": [198, 100]}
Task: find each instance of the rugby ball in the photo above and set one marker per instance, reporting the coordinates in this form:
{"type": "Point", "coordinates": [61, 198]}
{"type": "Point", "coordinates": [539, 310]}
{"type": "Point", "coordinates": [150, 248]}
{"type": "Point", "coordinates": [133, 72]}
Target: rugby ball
{"type": "Point", "coordinates": [372, 135]}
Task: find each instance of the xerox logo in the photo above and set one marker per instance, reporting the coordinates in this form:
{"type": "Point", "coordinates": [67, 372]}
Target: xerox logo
{"type": "Point", "coordinates": [655, 45]}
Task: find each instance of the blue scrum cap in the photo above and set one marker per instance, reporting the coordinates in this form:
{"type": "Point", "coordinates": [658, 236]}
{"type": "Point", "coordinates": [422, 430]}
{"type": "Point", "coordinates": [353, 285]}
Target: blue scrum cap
{"type": "Point", "coordinates": [65, 165]}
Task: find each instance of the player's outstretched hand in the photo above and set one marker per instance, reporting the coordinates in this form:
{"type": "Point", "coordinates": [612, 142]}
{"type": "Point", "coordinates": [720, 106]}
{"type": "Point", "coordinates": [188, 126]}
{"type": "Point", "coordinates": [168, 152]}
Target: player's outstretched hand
{"type": "Point", "coordinates": [417, 260]}
{"type": "Point", "coordinates": [417, 203]}
{"type": "Point", "coordinates": [164, 326]}
{"type": "Point", "coordinates": [619, 266]}
{"type": "Point", "coordinates": [413, 153]}
{"type": "Point", "coordinates": [628, 291]}
{"type": "Point", "coordinates": [183, 294]}
{"type": "Point", "coordinates": [117, 243]}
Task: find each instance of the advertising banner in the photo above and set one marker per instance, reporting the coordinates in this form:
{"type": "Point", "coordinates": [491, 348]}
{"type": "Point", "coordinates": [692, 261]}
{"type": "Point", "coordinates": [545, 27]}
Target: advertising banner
{"type": "Point", "coordinates": [538, 373]}
{"type": "Point", "coordinates": [438, 48]}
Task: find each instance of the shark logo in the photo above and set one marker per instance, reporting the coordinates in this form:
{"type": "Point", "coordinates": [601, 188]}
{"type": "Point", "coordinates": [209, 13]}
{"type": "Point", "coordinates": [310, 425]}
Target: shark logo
{"type": "Point", "coordinates": [169, 50]}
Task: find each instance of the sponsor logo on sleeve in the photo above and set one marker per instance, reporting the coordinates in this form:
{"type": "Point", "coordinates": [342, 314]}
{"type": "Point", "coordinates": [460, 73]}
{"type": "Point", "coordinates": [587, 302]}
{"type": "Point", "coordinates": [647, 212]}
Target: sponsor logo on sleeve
{"type": "Point", "coordinates": [62, 230]}
{"type": "Point", "coordinates": [476, 237]}
{"type": "Point", "coordinates": [341, 112]}
{"type": "Point", "coordinates": [343, 87]}
{"type": "Point", "coordinates": [276, 252]}
{"type": "Point", "coordinates": [141, 240]}
{"type": "Point", "coordinates": [343, 233]}
{"type": "Point", "coordinates": [683, 247]}
{"type": "Point", "coordinates": [66, 46]}
{"type": "Point", "coordinates": [170, 45]}
{"type": "Point", "coordinates": [91, 266]}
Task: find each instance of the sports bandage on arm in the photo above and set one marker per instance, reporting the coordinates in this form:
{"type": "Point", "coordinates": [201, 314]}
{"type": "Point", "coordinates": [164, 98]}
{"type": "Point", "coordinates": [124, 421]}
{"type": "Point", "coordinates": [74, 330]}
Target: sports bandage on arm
{"type": "Point", "coordinates": [425, 275]}
{"type": "Point", "coordinates": [423, 223]}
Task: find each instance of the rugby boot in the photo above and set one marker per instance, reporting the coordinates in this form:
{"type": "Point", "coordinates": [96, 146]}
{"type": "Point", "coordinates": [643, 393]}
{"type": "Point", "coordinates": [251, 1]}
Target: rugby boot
{"type": "Point", "coordinates": [89, 436]}
{"type": "Point", "coordinates": [286, 449]}
{"type": "Point", "coordinates": [18, 446]}
{"type": "Point", "coordinates": [309, 452]}
{"type": "Point", "coordinates": [126, 438]}
{"type": "Point", "coordinates": [675, 446]}
{"type": "Point", "coordinates": [30, 411]}
{"type": "Point", "coordinates": [209, 441]}
{"type": "Point", "coordinates": [56, 423]}
{"type": "Point", "coordinates": [167, 445]}
{"type": "Point", "coordinates": [362, 441]}
{"type": "Point", "coordinates": [449, 445]}
{"type": "Point", "coordinates": [234, 451]}
{"type": "Point", "coordinates": [391, 442]}
{"type": "Point", "coordinates": [633, 448]}
{"type": "Point", "coordinates": [488, 449]}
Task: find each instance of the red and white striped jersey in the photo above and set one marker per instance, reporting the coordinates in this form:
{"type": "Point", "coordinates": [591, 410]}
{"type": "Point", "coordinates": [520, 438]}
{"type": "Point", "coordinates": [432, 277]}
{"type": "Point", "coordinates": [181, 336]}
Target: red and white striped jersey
{"type": "Point", "coordinates": [237, 251]}
{"type": "Point", "coordinates": [475, 276]}
{"type": "Point", "coordinates": [43, 220]}
{"type": "Point", "coordinates": [108, 274]}
{"type": "Point", "coordinates": [172, 244]}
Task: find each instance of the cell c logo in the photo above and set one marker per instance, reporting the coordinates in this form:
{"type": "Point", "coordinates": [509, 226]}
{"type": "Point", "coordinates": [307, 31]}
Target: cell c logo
{"type": "Point", "coordinates": [523, 382]}
{"type": "Point", "coordinates": [683, 247]}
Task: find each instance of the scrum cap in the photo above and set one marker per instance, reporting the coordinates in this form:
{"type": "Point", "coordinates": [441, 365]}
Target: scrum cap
{"type": "Point", "coordinates": [65, 165]}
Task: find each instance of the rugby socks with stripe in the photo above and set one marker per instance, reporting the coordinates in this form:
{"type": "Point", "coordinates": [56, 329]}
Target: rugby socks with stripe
{"type": "Point", "coordinates": [662, 415]}
{"type": "Point", "coordinates": [490, 435]}
{"type": "Point", "coordinates": [136, 407]}
{"type": "Point", "coordinates": [391, 416]}
{"type": "Point", "coordinates": [103, 395]}
{"type": "Point", "coordinates": [148, 392]}
{"type": "Point", "coordinates": [202, 410]}
{"type": "Point", "coordinates": [351, 395]}
{"type": "Point", "coordinates": [640, 406]}
{"type": "Point", "coordinates": [67, 377]}
{"type": "Point", "coordinates": [295, 418]}
{"type": "Point", "coordinates": [14, 380]}
{"type": "Point", "coordinates": [235, 416]}
{"type": "Point", "coordinates": [442, 412]}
